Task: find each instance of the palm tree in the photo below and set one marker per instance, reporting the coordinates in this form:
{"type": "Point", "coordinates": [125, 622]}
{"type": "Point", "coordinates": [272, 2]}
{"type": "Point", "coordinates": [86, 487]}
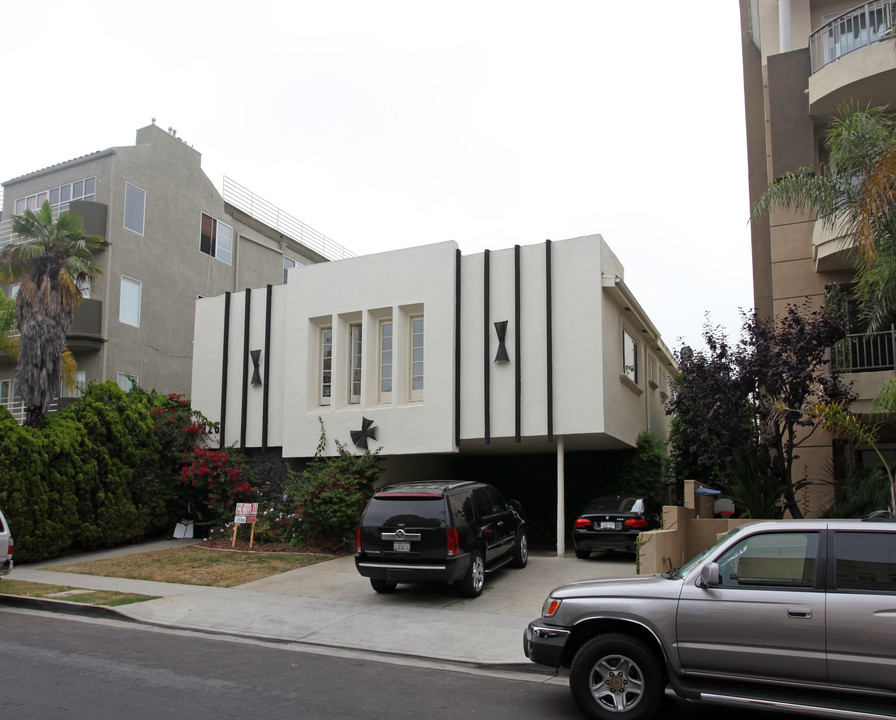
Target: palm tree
{"type": "Point", "coordinates": [53, 262]}
{"type": "Point", "coordinates": [855, 195]}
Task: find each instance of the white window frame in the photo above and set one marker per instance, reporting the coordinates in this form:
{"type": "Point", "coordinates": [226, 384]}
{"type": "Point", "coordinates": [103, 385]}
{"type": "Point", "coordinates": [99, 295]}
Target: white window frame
{"type": "Point", "coordinates": [129, 190]}
{"type": "Point", "coordinates": [126, 380]}
{"type": "Point", "coordinates": [137, 286]}
{"type": "Point", "coordinates": [325, 386]}
{"type": "Point", "coordinates": [386, 360]}
{"type": "Point", "coordinates": [630, 365]}
{"type": "Point", "coordinates": [220, 241]}
{"type": "Point", "coordinates": [288, 264]}
{"type": "Point", "coordinates": [416, 359]}
{"type": "Point", "coordinates": [59, 195]}
{"type": "Point", "coordinates": [356, 359]}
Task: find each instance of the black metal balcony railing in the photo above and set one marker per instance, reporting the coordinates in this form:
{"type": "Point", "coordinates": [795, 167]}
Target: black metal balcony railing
{"type": "Point", "coordinates": [857, 28]}
{"type": "Point", "coordinates": [866, 353]}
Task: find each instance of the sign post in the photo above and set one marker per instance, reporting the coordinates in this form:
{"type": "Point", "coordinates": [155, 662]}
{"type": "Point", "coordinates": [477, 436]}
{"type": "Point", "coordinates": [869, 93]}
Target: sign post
{"type": "Point", "coordinates": [245, 513]}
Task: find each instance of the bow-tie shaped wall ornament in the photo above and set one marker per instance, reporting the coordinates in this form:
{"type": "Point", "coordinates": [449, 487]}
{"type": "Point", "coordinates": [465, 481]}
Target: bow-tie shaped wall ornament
{"type": "Point", "coordinates": [501, 329]}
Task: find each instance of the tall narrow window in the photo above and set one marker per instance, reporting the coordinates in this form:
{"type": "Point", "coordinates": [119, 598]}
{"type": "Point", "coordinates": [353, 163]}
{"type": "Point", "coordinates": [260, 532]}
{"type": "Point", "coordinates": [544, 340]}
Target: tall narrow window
{"type": "Point", "coordinates": [385, 389]}
{"type": "Point", "coordinates": [417, 357]}
{"type": "Point", "coordinates": [355, 371]}
{"type": "Point", "coordinates": [134, 206]}
{"type": "Point", "coordinates": [225, 243]}
{"type": "Point", "coordinates": [629, 357]}
{"type": "Point", "coordinates": [129, 306]}
{"type": "Point", "coordinates": [326, 365]}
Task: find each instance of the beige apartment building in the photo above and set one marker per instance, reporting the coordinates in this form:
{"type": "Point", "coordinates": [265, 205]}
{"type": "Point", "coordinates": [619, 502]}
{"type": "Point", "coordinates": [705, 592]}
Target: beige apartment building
{"type": "Point", "coordinates": [803, 59]}
{"type": "Point", "coordinates": [171, 237]}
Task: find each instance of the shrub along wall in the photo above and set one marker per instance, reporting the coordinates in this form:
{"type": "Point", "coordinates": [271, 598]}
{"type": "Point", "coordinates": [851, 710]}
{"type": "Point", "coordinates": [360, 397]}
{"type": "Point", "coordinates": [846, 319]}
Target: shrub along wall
{"type": "Point", "coordinates": [110, 469]}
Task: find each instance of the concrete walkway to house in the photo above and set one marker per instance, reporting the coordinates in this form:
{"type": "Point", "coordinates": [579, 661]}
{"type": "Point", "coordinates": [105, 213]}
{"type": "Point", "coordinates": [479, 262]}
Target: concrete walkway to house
{"type": "Point", "coordinates": [330, 605]}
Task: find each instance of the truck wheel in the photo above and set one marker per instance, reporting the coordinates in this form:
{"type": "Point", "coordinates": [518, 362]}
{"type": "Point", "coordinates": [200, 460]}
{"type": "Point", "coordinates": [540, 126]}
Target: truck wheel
{"type": "Point", "coordinates": [614, 676]}
{"type": "Point", "coordinates": [520, 550]}
{"type": "Point", "coordinates": [382, 586]}
{"type": "Point", "coordinates": [474, 580]}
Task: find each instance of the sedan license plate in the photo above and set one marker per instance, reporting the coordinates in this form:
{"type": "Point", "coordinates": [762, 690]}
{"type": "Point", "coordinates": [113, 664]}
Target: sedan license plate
{"type": "Point", "coordinates": [608, 525]}
{"type": "Point", "coordinates": [401, 546]}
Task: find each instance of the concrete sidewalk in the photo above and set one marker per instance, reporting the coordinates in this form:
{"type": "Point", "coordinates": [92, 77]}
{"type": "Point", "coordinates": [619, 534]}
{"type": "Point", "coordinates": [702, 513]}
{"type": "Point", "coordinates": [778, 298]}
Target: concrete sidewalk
{"type": "Point", "coordinates": [330, 605]}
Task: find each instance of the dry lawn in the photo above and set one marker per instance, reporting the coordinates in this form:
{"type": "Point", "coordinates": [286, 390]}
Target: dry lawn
{"type": "Point", "coordinates": [109, 598]}
{"type": "Point", "coordinates": [194, 565]}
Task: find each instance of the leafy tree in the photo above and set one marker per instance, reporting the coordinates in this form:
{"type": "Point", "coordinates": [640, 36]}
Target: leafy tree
{"type": "Point", "coordinates": [713, 409]}
{"type": "Point", "coordinates": [729, 401]}
{"type": "Point", "coordinates": [54, 259]}
{"type": "Point", "coordinates": [854, 194]}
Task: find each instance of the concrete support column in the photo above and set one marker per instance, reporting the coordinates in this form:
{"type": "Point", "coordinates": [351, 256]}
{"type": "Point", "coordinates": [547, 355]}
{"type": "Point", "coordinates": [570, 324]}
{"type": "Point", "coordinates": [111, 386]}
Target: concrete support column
{"type": "Point", "coordinates": [785, 28]}
{"type": "Point", "coordinates": [561, 499]}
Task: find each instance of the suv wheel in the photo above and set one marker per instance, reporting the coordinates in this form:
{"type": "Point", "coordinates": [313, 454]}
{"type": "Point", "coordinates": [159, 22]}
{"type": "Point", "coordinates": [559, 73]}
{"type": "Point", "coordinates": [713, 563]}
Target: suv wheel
{"type": "Point", "coordinates": [616, 676]}
{"type": "Point", "coordinates": [383, 586]}
{"type": "Point", "coordinates": [474, 580]}
{"type": "Point", "coordinates": [520, 550]}
{"type": "Point", "coordinates": [583, 554]}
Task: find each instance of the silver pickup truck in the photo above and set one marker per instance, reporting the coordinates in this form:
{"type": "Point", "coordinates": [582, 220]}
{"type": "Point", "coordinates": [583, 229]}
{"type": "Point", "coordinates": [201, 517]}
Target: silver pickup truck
{"type": "Point", "coordinates": [790, 615]}
{"type": "Point", "coordinates": [6, 545]}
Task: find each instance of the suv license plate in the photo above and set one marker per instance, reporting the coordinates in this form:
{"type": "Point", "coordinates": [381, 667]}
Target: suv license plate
{"type": "Point", "coordinates": [608, 525]}
{"type": "Point", "coordinates": [401, 546]}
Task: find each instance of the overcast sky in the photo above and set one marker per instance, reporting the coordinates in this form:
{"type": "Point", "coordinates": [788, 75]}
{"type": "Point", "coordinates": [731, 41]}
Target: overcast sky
{"type": "Point", "coordinates": [387, 124]}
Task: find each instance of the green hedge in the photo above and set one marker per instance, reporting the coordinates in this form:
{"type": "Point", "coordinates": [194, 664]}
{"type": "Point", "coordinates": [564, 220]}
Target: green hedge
{"type": "Point", "coordinates": [105, 471]}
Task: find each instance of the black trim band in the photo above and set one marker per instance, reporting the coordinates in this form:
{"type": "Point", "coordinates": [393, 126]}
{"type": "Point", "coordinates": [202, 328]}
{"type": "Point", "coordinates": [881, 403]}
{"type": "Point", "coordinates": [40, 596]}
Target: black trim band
{"type": "Point", "coordinates": [224, 352]}
{"type": "Point", "coordinates": [549, 339]}
{"type": "Point", "coordinates": [457, 327]}
{"type": "Point", "coordinates": [246, 324]}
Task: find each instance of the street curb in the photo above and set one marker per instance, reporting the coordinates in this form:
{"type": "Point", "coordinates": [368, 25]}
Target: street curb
{"type": "Point", "coordinates": [64, 607]}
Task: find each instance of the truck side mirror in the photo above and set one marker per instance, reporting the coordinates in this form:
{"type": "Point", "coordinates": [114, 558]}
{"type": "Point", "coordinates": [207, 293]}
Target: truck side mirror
{"type": "Point", "coordinates": [709, 575]}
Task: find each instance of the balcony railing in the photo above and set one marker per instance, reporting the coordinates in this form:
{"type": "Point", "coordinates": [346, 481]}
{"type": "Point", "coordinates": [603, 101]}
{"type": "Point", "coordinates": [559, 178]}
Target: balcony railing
{"type": "Point", "coordinates": [6, 234]}
{"type": "Point", "coordinates": [274, 217]}
{"type": "Point", "coordinates": [16, 405]}
{"type": "Point", "coordinates": [857, 28]}
{"type": "Point", "coordinates": [866, 353]}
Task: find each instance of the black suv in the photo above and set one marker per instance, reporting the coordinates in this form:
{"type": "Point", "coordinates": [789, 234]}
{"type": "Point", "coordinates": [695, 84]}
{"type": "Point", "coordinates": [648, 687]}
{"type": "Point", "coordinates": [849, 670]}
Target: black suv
{"type": "Point", "coordinates": [442, 531]}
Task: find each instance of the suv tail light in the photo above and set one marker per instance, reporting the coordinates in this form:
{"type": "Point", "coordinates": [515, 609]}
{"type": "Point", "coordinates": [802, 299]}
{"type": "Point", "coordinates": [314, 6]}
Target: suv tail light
{"type": "Point", "coordinates": [583, 523]}
{"type": "Point", "coordinates": [10, 547]}
{"type": "Point", "coordinates": [358, 540]}
{"type": "Point", "coordinates": [639, 523]}
{"type": "Point", "coordinates": [451, 541]}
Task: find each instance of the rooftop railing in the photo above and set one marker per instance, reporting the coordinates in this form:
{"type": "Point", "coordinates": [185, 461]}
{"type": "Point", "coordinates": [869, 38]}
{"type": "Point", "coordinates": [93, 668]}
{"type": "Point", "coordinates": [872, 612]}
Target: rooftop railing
{"type": "Point", "coordinates": [268, 213]}
{"type": "Point", "coordinates": [854, 29]}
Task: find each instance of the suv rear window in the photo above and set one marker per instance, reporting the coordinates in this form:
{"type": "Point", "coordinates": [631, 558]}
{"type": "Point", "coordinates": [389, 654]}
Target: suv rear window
{"type": "Point", "coordinates": [409, 511]}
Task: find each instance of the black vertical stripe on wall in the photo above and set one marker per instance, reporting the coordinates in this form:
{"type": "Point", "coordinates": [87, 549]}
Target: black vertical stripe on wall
{"type": "Point", "coordinates": [266, 385]}
{"type": "Point", "coordinates": [486, 359]}
{"type": "Point", "coordinates": [549, 339]}
{"type": "Point", "coordinates": [457, 261]}
{"type": "Point", "coordinates": [246, 324]}
{"type": "Point", "coordinates": [226, 345]}
{"type": "Point", "coordinates": [517, 373]}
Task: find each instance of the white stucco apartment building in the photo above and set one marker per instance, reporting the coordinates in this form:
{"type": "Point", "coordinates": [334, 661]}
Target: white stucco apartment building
{"type": "Point", "coordinates": [434, 356]}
